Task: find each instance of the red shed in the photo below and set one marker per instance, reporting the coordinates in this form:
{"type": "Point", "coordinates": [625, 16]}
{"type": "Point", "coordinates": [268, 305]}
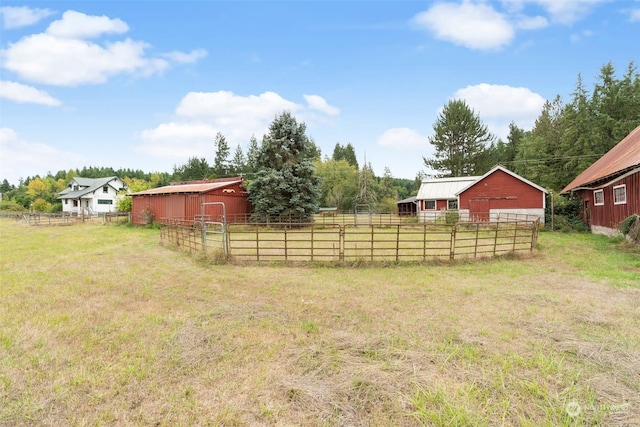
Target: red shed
{"type": "Point", "coordinates": [610, 188]}
{"type": "Point", "coordinates": [501, 191]}
{"type": "Point", "coordinates": [183, 200]}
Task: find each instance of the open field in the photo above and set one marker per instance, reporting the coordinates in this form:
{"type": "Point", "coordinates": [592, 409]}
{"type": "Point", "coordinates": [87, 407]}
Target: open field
{"type": "Point", "coordinates": [101, 325]}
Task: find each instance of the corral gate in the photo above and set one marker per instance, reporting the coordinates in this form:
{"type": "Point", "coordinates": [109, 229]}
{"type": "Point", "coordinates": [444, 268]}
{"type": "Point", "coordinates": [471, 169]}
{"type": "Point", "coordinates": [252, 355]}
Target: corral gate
{"type": "Point", "coordinates": [214, 233]}
{"type": "Point", "coordinates": [362, 214]}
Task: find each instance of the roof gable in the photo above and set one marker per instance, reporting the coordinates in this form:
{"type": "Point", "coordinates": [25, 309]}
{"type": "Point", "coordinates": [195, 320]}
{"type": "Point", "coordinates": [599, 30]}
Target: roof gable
{"type": "Point", "coordinates": [508, 172]}
{"type": "Point", "coordinates": [443, 188]}
{"type": "Point", "coordinates": [88, 185]}
{"type": "Point", "coordinates": [624, 156]}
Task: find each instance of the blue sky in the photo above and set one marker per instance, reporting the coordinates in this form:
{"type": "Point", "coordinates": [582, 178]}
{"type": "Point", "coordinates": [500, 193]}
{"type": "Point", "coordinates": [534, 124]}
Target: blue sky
{"type": "Point", "coordinates": [148, 84]}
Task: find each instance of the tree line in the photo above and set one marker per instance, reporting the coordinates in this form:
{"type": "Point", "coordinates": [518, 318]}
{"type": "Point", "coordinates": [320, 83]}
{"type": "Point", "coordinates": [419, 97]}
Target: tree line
{"type": "Point", "coordinates": [566, 138]}
{"type": "Point", "coordinates": [286, 173]}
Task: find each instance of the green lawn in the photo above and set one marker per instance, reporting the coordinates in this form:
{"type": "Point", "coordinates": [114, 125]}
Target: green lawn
{"type": "Point", "coordinates": [102, 325]}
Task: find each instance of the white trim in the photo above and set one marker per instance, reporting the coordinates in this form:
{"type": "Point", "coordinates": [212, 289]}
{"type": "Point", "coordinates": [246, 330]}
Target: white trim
{"type": "Point", "coordinates": [595, 198]}
{"type": "Point", "coordinates": [435, 205]}
{"type": "Point", "coordinates": [615, 202]}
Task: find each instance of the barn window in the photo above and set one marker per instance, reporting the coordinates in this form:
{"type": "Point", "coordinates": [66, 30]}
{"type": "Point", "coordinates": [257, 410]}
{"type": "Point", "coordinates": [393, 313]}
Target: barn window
{"type": "Point", "coordinates": [598, 197]}
{"type": "Point", "coordinates": [452, 205]}
{"type": "Point", "coordinates": [620, 195]}
{"type": "Point", "coordinates": [429, 204]}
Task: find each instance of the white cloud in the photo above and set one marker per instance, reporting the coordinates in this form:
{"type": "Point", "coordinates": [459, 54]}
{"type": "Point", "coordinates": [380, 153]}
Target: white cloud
{"type": "Point", "coordinates": [532, 22]}
{"type": "Point", "coordinates": [186, 58]}
{"type": "Point", "coordinates": [634, 15]}
{"type": "Point", "coordinates": [226, 107]}
{"type": "Point", "coordinates": [316, 102]}
{"type": "Point", "coordinates": [22, 16]}
{"type": "Point", "coordinates": [402, 138]}
{"type": "Point", "coordinates": [576, 37]}
{"type": "Point", "coordinates": [476, 26]}
{"type": "Point", "coordinates": [43, 58]}
{"type": "Point", "coordinates": [499, 105]}
{"type": "Point", "coordinates": [201, 115]}
{"type": "Point", "coordinates": [78, 25]}
{"type": "Point", "coordinates": [21, 158]}
{"type": "Point", "coordinates": [26, 94]}
{"type": "Point", "coordinates": [62, 55]}
{"type": "Point", "coordinates": [568, 11]}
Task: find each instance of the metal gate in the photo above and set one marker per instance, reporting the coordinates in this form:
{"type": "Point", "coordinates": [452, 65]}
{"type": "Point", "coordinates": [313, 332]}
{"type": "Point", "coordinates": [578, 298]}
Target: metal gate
{"type": "Point", "coordinates": [214, 233]}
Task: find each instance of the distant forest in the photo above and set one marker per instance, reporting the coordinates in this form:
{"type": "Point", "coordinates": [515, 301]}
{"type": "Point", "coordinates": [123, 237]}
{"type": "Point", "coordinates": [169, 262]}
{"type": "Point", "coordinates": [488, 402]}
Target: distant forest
{"type": "Point", "coordinates": [567, 137]}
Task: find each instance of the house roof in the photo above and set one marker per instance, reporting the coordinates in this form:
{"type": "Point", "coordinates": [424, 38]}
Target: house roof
{"type": "Point", "coordinates": [443, 188]}
{"type": "Point", "coordinates": [407, 200]}
{"type": "Point", "coordinates": [89, 185]}
{"type": "Point", "coordinates": [190, 187]}
{"type": "Point", "coordinates": [621, 158]}
{"type": "Point", "coordinates": [505, 170]}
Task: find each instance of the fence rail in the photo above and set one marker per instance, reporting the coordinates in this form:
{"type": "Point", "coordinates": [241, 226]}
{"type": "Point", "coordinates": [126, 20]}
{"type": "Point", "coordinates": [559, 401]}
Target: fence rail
{"type": "Point", "coordinates": [335, 242]}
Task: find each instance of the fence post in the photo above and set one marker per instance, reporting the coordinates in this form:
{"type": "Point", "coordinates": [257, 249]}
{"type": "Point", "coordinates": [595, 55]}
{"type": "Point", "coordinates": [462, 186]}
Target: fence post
{"type": "Point", "coordinates": [475, 249]}
{"type": "Point", "coordinates": [495, 239]}
{"type": "Point", "coordinates": [397, 242]}
{"type": "Point", "coordinates": [341, 233]}
{"type": "Point", "coordinates": [285, 245]}
{"type": "Point", "coordinates": [372, 239]}
{"type": "Point", "coordinates": [452, 247]}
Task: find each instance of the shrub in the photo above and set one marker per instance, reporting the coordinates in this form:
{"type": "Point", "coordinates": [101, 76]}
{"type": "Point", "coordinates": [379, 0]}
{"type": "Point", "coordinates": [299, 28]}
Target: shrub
{"type": "Point", "coordinates": [11, 206]}
{"type": "Point", "coordinates": [627, 224]}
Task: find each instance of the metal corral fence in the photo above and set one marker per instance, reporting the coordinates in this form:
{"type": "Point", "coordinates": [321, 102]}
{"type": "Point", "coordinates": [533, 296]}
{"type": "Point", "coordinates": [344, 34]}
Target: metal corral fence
{"type": "Point", "coordinates": [64, 218]}
{"type": "Point", "coordinates": [325, 242]}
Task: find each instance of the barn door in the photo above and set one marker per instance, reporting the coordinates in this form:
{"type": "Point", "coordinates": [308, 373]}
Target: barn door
{"type": "Point", "coordinates": [479, 209]}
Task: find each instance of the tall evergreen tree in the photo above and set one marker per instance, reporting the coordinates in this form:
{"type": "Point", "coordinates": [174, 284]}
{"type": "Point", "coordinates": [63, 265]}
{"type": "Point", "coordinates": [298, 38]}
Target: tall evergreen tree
{"type": "Point", "coordinates": [460, 139]}
{"type": "Point", "coordinates": [221, 160]}
{"type": "Point", "coordinates": [347, 153]}
{"type": "Point", "coordinates": [252, 155]}
{"type": "Point", "coordinates": [286, 182]}
{"type": "Point", "coordinates": [238, 163]}
{"type": "Point", "coordinates": [195, 169]}
{"type": "Point", "coordinates": [366, 181]}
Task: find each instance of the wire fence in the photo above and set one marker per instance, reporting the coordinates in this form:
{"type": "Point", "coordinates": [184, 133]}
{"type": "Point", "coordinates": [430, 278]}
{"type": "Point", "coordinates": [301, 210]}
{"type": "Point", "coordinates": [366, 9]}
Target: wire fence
{"type": "Point", "coordinates": [335, 242]}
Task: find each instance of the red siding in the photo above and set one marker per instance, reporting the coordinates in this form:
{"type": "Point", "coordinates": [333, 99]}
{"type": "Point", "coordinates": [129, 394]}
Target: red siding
{"type": "Point", "coordinates": [503, 191]}
{"type": "Point", "coordinates": [611, 215]}
{"type": "Point", "coordinates": [188, 206]}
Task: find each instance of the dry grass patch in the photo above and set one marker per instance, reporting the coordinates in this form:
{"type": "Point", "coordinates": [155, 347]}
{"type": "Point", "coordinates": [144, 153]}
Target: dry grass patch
{"type": "Point", "coordinates": [102, 325]}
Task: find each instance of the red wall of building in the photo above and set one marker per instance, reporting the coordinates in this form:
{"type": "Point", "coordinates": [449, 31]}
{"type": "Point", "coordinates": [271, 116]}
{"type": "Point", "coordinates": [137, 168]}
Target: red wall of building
{"type": "Point", "coordinates": [504, 192]}
{"type": "Point", "coordinates": [187, 206]}
{"type": "Point", "coordinates": [611, 215]}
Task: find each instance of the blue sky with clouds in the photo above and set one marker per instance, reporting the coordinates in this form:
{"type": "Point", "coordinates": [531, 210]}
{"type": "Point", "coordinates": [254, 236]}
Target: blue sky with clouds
{"type": "Point", "coordinates": [148, 84]}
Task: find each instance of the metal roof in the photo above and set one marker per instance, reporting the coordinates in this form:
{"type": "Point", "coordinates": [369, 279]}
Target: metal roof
{"type": "Point", "coordinates": [407, 200]}
{"type": "Point", "coordinates": [89, 184]}
{"type": "Point", "coordinates": [443, 188]}
{"type": "Point", "coordinates": [624, 156]}
{"type": "Point", "coordinates": [195, 187]}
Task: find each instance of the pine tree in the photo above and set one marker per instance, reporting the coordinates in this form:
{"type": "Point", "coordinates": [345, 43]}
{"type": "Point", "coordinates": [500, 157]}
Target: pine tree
{"type": "Point", "coordinates": [221, 160]}
{"type": "Point", "coordinates": [286, 183]}
{"type": "Point", "coordinates": [238, 163]}
{"type": "Point", "coordinates": [460, 140]}
{"type": "Point", "coordinates": [252, 155]}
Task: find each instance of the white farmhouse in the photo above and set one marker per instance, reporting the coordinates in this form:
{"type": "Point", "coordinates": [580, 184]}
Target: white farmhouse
{"type": "Point", "coordinates": [89, 196]}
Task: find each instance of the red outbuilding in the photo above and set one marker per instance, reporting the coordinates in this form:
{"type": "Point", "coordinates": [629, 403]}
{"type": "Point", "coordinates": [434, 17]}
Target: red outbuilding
{"type": "Point", "coordinates": [610, 188]}
{"type": "Point", "coordinates": [184, 201]}
{"type": "Point", "coordinates": [500, 192]}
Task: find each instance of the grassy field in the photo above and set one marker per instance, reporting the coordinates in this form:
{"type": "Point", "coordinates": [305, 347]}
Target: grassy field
{"type": "Point", "coordinates": [101, 325]}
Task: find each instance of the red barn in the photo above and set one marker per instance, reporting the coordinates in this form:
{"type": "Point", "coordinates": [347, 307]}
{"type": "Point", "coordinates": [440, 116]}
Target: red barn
{"type": "Point", "coordinates": [184, 201]}
{"type": "Point", "coordinates": [498, 192]}
{"type": "Point", "coordinates": [610, 188]}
